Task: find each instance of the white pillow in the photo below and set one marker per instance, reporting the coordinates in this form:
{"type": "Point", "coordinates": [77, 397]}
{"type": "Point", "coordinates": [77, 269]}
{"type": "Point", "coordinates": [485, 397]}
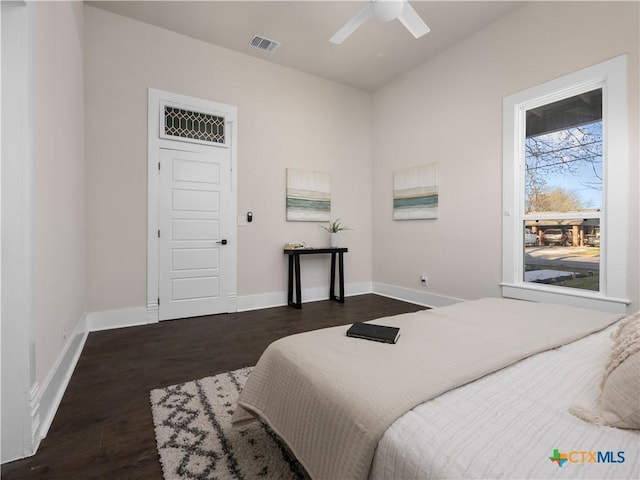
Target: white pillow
{"type": "Point", "coordinates": [620, 399]}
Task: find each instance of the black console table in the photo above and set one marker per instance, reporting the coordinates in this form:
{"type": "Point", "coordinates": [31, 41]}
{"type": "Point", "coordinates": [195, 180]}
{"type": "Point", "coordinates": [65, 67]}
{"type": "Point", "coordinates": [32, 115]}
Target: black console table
{"type": "Point", "coordinates": [294, 272]}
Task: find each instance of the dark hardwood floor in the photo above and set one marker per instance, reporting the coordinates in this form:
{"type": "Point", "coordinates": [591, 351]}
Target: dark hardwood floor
{"type": "Point", "coordinates": [103, 428]}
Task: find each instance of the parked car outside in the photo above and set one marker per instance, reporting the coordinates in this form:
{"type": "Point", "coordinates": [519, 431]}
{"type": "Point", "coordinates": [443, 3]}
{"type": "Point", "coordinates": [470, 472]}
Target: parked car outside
{"type": "Point", "coordinates": [554, 236]}
{"type": "Point", "coordinates": [592, 240]}
{"type": "Point", "coordinates": [530, 238]}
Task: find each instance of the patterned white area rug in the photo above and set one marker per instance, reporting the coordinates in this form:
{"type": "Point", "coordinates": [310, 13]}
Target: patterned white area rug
{"type": "Point", "coordinates": [196, 440]}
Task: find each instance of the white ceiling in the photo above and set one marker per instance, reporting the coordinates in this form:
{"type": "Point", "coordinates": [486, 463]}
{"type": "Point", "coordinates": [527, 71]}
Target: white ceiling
{"type": "Point", "coordinates": [375, 54]}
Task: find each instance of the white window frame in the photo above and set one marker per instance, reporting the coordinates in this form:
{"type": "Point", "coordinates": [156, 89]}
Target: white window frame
{"type": "Point", "coordinates": [611, 76]}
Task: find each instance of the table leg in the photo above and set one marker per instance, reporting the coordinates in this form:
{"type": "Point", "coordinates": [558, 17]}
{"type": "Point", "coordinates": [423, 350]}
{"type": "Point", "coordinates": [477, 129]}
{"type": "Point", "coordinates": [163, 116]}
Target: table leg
{"type": "Point", "coordinates": [290, 282]}
{"type": "Point", "coordinates": [332, 282]}
{"type": "Point", "coordinates": [298, 303]}
{"type": "Point", "coordinates": [341, 274]}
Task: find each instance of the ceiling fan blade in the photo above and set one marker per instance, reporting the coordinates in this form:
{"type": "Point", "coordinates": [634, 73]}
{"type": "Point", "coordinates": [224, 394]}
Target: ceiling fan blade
{"type": "Point", "coordinates": [352, 25]}
{"type": "Point", "coordinates": [412, 21]}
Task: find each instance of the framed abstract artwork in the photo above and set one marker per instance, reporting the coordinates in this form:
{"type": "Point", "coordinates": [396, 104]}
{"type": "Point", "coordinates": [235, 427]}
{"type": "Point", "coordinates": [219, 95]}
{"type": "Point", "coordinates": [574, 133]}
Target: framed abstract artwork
{"type": "Point", "coordinates": [415, 192]}
{"type": "Point", "coordinates": [308, 196]}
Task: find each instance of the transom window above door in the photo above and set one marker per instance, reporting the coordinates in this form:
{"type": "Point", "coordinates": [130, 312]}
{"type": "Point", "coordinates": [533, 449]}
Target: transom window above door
{"type": "Point", "coordinates": [192, 126]}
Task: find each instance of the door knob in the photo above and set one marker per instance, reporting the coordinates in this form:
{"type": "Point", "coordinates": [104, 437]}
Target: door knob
{"type": "Point", "coordinates": [223, 241]}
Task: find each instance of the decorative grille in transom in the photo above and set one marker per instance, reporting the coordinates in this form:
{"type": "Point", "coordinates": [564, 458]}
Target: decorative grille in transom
{"type": "Point", "coordinates": [204, 127]}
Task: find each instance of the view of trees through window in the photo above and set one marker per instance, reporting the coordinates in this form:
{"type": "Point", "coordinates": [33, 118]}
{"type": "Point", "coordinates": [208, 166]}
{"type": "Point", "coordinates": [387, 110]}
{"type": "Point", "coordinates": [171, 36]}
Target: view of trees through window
{"type": "Point", "coordinates": [563, 176]}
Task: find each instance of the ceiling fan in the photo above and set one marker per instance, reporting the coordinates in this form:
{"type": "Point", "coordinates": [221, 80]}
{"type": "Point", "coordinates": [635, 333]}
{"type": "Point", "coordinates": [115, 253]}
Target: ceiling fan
{"type": "Point", "coordinates": [384, 10]}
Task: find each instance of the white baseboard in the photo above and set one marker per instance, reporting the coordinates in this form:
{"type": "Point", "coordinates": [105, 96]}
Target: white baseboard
{"type": "Point", "coordinates": [311, 294]}
{"type": "Point", "coordinates": [46, 398]}
{"type": "Point", "coordinates": [129, 317]}
{"type": "Point", "coordinates": [425, 299]}
{"type": "Point", "coordinates": [124, 317]}
{"type": "Point", "coordinates": [261, 300]}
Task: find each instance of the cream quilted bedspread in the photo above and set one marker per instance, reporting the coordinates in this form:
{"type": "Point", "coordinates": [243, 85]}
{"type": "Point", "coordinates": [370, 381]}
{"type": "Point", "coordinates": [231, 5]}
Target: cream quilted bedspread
{"type": "Point", "coordinates": [331, 397]}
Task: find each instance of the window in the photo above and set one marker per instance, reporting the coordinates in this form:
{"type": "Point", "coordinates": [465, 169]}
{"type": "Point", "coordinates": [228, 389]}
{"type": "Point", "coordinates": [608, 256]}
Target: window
{"type": "Point", "coordinates": [564, 192]}
{"type": "Point", "coordinates": [190, 126]}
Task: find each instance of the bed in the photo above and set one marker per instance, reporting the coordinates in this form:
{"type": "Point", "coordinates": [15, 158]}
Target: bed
{"type": "Point", "coordinates": [477, 390]}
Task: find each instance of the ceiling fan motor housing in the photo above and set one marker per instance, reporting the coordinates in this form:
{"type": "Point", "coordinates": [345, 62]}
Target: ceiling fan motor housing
{"type": "Point", "coordinates": [386, 10]}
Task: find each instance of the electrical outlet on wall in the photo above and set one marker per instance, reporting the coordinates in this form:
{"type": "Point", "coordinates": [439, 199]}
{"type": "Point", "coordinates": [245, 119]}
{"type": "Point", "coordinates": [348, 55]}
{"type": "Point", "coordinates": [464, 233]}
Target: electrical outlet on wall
{"type": "Point", "coordinates": [424, 279]}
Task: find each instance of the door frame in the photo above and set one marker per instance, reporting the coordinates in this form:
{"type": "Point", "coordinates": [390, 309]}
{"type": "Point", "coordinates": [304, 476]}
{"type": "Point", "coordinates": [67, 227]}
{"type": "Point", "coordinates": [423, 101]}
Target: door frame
{"type": "Point", "coordinates": [154, 144]}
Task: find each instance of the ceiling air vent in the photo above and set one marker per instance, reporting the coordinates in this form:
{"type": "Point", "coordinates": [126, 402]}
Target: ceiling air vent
{"type": "Point", "coordinates": [264, 44]}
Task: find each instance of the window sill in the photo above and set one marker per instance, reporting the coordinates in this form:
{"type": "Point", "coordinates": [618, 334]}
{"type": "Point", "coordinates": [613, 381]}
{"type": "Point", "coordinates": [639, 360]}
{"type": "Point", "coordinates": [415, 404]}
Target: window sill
{"type": "Point", "coordinates": [566, 296]}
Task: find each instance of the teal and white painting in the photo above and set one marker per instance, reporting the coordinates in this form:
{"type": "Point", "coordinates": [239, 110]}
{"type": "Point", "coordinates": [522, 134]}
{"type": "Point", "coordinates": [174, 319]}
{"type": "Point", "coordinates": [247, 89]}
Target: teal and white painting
{"type": "Point", "coordinates": [308, 196]}
{"type": "Point", "coordinates": [415, 192]}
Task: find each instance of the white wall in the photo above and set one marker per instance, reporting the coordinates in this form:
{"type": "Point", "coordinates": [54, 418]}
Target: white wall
{"type": "Point", "coordinates": [285, 119]}
{"type": "Point", "coordinates": [43, 218]}
{"type": "Point", "coordinates": [449, 110]}
{"type": "Point", "coordinates": [59, 245]}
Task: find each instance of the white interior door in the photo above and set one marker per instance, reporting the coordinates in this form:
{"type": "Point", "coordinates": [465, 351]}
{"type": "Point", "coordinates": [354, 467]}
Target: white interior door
{"type": "Point", "coordinates": [195, 235]}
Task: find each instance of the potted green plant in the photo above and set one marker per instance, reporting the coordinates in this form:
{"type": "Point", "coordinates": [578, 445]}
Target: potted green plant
{"type": "Point", "coordinates": [333, 228]}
